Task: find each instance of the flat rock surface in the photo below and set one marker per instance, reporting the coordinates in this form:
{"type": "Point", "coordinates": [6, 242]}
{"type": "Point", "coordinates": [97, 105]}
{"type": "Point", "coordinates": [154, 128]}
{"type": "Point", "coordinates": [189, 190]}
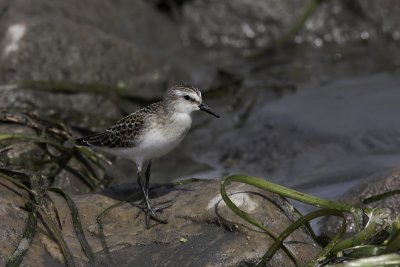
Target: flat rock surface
{"type": "Point", "coordinates": [201, 230]}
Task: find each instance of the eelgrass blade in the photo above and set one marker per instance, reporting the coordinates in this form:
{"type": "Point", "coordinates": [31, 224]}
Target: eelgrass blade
{"type": "Point", "coordinates": [103, 239]}
{"type": "Point", "coordinates": [93, 156]}
{"type": "Point", "coordinates": [89, 181]}
{"type": "Point", "coordinates": [290, 193]}
{"type": "Point", "coordinates": [380, 196]}
{"type": "Point", "coordinates": [76, 220]}
{"type": "Point", "coordinates": [17, 183]}
{"type": "Point", "coordinates": [100, 223]}
{"type": "Point", "coordinates": [49, 223]}
{"type": "Point", "coordinates": [87, 165]}
{"type": "Point", "coordinates": [297, 224]}
{"type": "Point", "coordinates": [244, 215]}
{"type": "Point", "coordinates": [363, 251]}
{"type": "Point", "coordinates": [299, 196]}
{"type": "Point", "coordinates": [391, 260]}
{"type": "Point", "coordinates": [293, 194]}
{"type": "Point", "coordinates": [39, 190]}
{"type": "Point", "coordinates": [289, 209]}
{"type": "Point", "coordinates": [29, 232]}
{"type": "Point", "coordinates": [20, 176]}
{"type": "Point", "coordinates": [394, 243]}
{"type": "Point", "coordinates": [23, 246]}
{"type": "Point", "coordinates": [372, 227]}
{"type": "Point", "coordinates": [328, 248]}
{"type": "Point", "coordinates": [26, 138]}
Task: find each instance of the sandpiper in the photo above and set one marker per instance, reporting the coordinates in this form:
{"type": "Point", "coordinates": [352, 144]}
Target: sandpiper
{"type": "Point", "coordinates": [150, 133]}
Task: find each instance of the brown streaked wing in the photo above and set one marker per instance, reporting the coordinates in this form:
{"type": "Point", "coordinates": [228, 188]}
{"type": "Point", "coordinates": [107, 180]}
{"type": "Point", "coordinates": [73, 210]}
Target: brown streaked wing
{"type": "Point", "coordinates": [122, 134]}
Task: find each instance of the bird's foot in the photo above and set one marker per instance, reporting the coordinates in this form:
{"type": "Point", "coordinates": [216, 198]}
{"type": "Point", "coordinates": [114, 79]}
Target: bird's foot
{"type": "Point", "coordinates": [151, 213]}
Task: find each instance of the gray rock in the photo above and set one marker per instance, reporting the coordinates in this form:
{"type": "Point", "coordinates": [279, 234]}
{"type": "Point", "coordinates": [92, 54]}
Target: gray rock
{"type": "Point", "coordinates": [237, 23]}
{"type": "Point", "coordinates": [201, 231]}
{"type": "Point", "coordinates": [376, 184]}
{"type": "Point", "coordinates": [85, 42]}
{"type": "Point", "coordinates": [373, 185]}
{"type": "Point", "coordinates": [258, 24]}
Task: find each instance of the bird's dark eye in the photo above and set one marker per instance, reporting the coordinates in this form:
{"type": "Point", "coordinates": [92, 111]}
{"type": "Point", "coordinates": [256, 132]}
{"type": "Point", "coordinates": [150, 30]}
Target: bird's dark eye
{"type": "Point", "coordinates": [187, 97]}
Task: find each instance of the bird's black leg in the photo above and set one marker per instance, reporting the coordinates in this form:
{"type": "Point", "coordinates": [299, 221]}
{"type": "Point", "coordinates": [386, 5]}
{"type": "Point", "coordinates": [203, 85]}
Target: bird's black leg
{"type": "Point", "coordinates": [150, 212]}
{"type": "Point", "coordinates": [140, 183]}
{"type": "Point", "coordinates": [147, 177]}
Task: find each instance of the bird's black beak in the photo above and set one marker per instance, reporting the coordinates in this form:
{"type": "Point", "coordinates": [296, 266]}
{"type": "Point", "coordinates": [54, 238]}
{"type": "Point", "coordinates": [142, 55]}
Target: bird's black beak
{"type": "Point", "coordinates": [208, 110]}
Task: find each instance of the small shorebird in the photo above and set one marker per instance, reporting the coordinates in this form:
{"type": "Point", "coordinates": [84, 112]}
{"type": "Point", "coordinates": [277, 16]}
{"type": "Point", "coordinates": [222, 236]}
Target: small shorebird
{"type": "Point", "coordinates": [150, 133]}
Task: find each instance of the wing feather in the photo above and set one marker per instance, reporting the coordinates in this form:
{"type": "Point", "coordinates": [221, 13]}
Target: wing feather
{"type": "Point", "coordinates": [124, 133]}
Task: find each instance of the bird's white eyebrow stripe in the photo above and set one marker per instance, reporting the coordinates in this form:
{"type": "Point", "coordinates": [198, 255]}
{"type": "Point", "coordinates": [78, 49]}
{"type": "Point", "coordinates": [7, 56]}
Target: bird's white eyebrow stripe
{"type": "Point", "coordinates": [192, 95]}
{"type": "Point", "coordinates": [179, 93]}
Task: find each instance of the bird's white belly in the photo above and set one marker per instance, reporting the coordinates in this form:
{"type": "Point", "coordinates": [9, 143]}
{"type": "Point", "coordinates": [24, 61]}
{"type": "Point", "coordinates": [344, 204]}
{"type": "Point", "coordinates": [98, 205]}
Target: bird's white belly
{"type": "Point", "coordinates": [158, 144]}
{"type": "Point", "coordinates": [157, 141]}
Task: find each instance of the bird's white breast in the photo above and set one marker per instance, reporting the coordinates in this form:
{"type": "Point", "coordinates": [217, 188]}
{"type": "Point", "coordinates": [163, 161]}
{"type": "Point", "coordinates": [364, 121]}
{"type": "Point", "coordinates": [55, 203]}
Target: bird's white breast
{"type": "Point", "coordinates": [162, 138]}
{"type": "Point", "coordinates": [158, 139]}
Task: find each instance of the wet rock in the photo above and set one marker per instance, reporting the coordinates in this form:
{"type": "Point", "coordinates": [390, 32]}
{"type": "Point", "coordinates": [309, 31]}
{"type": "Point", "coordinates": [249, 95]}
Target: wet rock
{"type": "Point", "coordinates": [201, 230]}
{"type": "Point", "coordinates": [373, 185]}
{"type": "Point", "coordinates": [376, 184]}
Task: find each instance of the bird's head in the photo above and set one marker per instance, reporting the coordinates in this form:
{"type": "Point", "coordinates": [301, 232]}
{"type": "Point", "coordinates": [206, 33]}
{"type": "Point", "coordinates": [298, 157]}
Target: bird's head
{"type": "Point", "coordinates": [185, 98]}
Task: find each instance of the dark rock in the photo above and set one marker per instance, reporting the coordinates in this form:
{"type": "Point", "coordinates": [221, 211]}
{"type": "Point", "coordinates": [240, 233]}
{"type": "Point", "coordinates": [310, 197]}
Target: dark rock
{"type": "Point", "coordinates": [376, 184]}
{"type": "Point", "coordinates": [373, 185]}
